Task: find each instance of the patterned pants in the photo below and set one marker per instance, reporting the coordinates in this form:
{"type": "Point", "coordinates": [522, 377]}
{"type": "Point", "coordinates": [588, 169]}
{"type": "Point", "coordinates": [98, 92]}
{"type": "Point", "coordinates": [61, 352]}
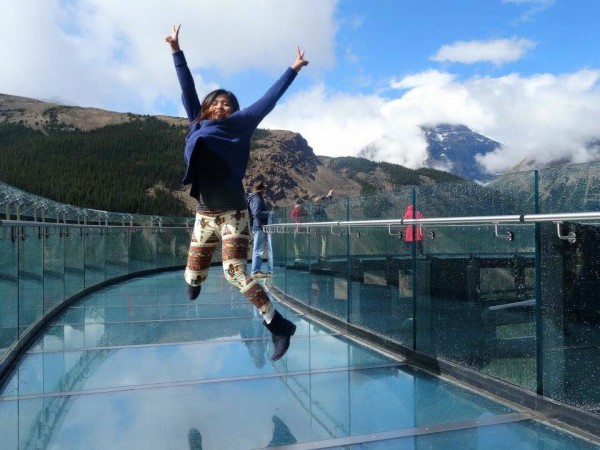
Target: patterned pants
{"type": "Point", "coordinates": [231, 229]}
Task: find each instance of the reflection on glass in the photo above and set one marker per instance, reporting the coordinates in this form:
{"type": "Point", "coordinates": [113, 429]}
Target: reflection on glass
{"type": "Point", "coordinates": [194, 439]}
{"type": "Point", "coordinates": [281, 434]}
{"type": "Point", "coordinates": [253, 336]}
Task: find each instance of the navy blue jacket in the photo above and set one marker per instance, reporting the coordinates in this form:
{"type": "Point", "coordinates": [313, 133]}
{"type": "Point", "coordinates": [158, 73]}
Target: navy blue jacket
{"type": "Point", "coordinates": [260, 214]}
{"type": "Point", "coordinates": [217, 151]}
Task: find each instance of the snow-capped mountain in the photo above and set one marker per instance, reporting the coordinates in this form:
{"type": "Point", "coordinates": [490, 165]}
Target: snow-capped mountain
{"type": "Point", "coordinates": [453, 148]}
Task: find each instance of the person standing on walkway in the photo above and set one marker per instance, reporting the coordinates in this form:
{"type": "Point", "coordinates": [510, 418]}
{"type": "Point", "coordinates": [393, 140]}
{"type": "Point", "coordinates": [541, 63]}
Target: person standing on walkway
{"type": "Point", "coordinates": [413, 233]}
{"type": "Point", "coordinates": [217, 149]}
{"type": "Point", "coordinates": [319, 211]}
{"type": "Point", "coordinates": [298, 214]}
{"type": "Point", "coordinates": [260, 216]}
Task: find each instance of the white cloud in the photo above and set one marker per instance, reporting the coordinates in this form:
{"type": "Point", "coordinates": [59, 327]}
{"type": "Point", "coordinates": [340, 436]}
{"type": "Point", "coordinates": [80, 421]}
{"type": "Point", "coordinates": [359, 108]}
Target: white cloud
{"type": "Point", "coordinates": [535, 7]}
{"type": "Point", "coordinates": [111, 54]}
{"type": "Point", "coordinates": [498, 51]}
{"type": "Point", "coordinates": [543, 117]}
{"type": "Point", "coordinates": [330, 121]}
{"type": "Point", "coordinates": [430, 77]}
{"type": "Point", "coordinates": [351, 57]}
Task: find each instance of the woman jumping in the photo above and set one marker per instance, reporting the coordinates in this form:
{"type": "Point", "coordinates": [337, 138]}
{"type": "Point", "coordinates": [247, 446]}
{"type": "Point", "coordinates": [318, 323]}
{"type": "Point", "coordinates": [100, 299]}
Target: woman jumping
{"type": "Point", "coordinates": [217, 149]}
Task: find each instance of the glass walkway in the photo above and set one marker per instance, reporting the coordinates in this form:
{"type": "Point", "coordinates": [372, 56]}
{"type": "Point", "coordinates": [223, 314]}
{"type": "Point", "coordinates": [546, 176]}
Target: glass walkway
{"type": "Point", "coordinates": [136, 365]}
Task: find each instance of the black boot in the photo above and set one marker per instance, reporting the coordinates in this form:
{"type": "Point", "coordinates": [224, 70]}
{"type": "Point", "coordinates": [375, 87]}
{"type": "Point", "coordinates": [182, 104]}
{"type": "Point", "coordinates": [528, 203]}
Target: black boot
{"type": "Point", "coordinates": [194, 291]}
{"type": "Point", "coordinates": [281, 330]}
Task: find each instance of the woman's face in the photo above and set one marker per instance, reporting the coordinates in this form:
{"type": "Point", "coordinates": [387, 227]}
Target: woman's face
{"type": "Point", "coordinates": [219, 108]}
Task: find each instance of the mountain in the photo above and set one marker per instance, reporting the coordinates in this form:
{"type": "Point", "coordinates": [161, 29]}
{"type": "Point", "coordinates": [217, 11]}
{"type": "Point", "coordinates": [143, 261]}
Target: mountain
{"type": "Point", "coordinates": [127, 162]}
{"type": "Point", "coordinates": [453, 148]}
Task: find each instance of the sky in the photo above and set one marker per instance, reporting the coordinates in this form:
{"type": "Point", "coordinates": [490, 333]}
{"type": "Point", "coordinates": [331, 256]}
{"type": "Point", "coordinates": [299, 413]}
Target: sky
{"type": "Point", "coordinates": [525, 73]}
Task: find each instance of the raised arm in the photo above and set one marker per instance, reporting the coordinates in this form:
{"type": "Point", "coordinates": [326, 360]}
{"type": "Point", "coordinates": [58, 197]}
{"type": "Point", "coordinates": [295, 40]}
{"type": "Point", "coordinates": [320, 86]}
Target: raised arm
{"type": "Point", "coordinates": [263, 106]}
{"type": "Point", "coordinates": [189, 97]}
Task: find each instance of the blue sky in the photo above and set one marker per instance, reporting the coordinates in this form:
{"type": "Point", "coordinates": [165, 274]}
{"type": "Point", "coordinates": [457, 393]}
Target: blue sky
{"type": "Point", "coordinates": [523, 72]}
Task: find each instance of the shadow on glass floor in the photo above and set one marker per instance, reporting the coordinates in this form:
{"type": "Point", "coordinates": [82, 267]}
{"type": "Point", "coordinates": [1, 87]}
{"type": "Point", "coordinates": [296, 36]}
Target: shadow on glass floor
{"type": "Point", "coordinates": [137, 365]}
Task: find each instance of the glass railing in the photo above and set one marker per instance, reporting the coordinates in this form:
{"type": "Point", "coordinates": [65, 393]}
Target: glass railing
{"type": "Point", "coordinates": [49, 252]}
{"type": "Point", "coordinates": [506, 281]}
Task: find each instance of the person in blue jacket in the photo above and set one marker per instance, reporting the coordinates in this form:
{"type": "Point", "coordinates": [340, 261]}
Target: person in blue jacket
{"type": "Point", "coordinates": [260, 216]}
{"type": "Point", "coordinates": [217, 149]}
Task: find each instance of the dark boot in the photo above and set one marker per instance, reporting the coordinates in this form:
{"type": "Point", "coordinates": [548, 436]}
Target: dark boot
{"type": "Point", "coordinates": [194, 291]}
{"type": "Point", "coordinates": [281, 330]}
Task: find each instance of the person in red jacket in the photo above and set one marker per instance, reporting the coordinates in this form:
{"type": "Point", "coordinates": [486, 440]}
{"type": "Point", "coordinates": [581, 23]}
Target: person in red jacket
{"type": "Point", "coordinates": [413, 232]}
{"type": "Point", "coordinates": [298, 214]}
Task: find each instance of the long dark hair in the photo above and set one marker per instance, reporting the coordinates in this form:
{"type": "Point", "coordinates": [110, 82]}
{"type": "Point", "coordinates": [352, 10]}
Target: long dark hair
{"type": "Point", "coordinates": [209, 99]}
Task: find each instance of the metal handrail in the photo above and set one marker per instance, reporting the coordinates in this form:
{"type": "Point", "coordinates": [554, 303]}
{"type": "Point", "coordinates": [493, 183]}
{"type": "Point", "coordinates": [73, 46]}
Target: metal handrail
{"type": "Point", "coordinates": [515, 218]}
{"type": "Point", "coordinates": [29, 223]}
{"type": "Point", "coordinates": [557, 218]}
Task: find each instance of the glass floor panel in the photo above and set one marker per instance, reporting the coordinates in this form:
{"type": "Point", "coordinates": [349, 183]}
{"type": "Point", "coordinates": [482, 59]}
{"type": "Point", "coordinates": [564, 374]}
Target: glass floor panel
{"type": "Point", "coordinates": [137, 365]}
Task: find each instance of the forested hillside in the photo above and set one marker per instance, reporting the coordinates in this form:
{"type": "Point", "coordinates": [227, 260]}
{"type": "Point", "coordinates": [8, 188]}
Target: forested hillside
{"type": "Point", "coordinates": [130, 167]}
{"type": "Point", "coordinates": [377, 176]}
